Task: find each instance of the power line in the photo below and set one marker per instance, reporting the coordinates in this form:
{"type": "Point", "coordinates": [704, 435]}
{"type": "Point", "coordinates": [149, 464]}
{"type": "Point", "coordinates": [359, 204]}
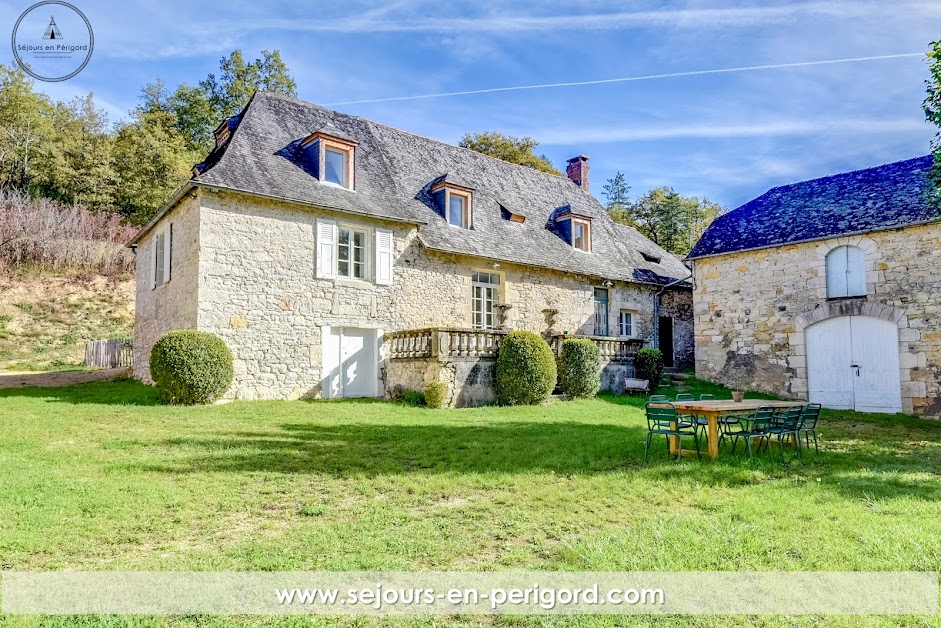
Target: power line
{"type": "Point", "coordinates": [649, 77]}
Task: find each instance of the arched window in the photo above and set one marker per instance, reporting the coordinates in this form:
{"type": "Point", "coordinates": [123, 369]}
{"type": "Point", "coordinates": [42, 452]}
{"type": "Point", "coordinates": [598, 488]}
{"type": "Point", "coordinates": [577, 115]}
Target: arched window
{"type": "Point", "coordinates": [846, 272]}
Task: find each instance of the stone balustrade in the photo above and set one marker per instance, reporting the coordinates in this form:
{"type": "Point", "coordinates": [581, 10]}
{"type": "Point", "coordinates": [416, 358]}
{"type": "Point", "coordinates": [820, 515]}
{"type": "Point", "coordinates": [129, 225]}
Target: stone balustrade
{"type": "Point", "coordinates": [449, 343]}
{"type": "Point", "coordinates": [444, 343]}
{"type": "Point", "coordinates": [612, 348]}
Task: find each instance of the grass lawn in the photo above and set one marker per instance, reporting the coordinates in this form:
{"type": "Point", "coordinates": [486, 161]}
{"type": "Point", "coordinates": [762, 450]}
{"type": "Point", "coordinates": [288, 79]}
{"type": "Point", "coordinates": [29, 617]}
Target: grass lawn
{"type": "Point", "coordinates": [99, 477]}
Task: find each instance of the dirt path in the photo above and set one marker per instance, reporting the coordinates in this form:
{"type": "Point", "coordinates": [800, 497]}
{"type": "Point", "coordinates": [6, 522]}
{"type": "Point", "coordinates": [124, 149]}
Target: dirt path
{"type": "Point", "coordinates": [19, 379]}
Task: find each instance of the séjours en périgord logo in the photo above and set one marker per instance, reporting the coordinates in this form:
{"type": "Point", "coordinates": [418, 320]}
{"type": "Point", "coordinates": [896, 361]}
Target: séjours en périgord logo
{"type": "Point", "coordinates": [52, 41]}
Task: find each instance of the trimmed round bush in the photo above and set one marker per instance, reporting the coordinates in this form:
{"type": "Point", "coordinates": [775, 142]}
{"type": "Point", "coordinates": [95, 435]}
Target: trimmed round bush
{"type": "Point", "coordinates": [649, 365]}
{"type": "Point", "coordinates": [191, 367]}
{"type": "Point", "coordinates": [435, 393]}
{"type": "Point", "coordinates": [526, 369]}
{"type": "Point", "coordinates": [579, 368]}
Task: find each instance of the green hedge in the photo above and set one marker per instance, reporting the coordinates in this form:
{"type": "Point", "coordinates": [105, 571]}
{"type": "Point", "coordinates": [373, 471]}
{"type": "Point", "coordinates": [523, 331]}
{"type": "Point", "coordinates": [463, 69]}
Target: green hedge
{"type": "Point", "coordinates": [579, 368]}
{"type": "Point", "coordinates": [435, 393]}
{"type": "Point", "coordinates": [190, 367]}
{"type": "Point", "coordinates": [526, 369]}
{"type": "Point", "coordinates": [649, 365]}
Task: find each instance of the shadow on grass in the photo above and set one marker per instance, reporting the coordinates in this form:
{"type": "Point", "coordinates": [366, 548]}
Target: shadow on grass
{"type": "Point", "coordinates": [367, 450]}
{"type": "Point", "coordinates": [123, 392]}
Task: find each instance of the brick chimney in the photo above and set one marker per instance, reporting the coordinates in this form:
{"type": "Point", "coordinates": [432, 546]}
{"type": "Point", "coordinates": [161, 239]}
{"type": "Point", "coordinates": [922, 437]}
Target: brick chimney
{"type": "Point", "coordinates": [577, 171]}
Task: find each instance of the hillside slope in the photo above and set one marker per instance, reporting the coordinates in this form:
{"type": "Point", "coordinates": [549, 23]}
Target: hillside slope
{"type": "Point", "coordinates": [45, 320]}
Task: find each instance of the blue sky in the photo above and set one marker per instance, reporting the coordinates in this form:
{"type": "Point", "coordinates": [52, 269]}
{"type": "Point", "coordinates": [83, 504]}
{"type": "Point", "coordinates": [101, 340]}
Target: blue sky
{"type": "Point", "coordinates": [728, 137]}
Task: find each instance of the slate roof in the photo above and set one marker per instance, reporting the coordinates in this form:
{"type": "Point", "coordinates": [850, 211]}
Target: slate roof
{"type": "Point", "coordinates": [863, 201]}
{"type": "Point", "coordinates": [394, 171]}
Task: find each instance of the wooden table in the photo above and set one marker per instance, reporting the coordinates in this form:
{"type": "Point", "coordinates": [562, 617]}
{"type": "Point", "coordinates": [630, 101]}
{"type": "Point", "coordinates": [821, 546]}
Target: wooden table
{"type": "Point", "coordinates": [712, 410]}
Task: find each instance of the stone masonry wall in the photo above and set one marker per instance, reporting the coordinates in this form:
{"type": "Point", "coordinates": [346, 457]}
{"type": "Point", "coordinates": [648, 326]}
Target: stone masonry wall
{"type": "Point", "coordinates": [258, 290]}
{"type": "Point", "coordinates": [751, 310]}
{"type": "Point", "coordinates": [172, 305]}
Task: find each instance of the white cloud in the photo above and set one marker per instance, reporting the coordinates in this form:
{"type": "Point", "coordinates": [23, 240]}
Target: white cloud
{"type": "Point", "coordinates": [734, 17]}
{"type": "Point", "coordinates": [601, 135]}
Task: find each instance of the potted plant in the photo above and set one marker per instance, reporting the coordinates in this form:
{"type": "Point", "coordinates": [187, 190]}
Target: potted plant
{"type": "Point", "coordinates": [738, 396]}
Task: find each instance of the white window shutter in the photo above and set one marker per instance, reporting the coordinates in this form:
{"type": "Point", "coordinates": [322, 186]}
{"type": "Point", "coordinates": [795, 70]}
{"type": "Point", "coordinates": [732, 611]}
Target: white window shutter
{"type": "Point", "coordinates": [836, 273]}
{"type": "Point", "coordinates": [153, 261]}
{"type": "Point", "coordinates": [384, 257]}
{"type": "Point", "coordinates": [855, 272]}
{"type": "Point", "coordinates": [167, 248]}
{"type": "Point", "coordinates": [326, 249]}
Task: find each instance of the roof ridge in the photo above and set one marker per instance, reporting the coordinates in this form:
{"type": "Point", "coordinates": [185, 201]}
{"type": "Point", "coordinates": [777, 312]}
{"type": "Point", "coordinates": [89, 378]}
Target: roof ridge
{"type": "Point", "coordinates": [397, 129]}
{"type": "Point", "coordinates": [841, 174]}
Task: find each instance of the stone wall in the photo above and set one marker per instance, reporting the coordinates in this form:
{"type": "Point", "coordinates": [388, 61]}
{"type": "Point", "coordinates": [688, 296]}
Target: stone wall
{"type": "Point", "coordinates": [751, 310]}
{"type": "Point", "coordinates": [258, 290]}
{"type": "Point", "coordinates": [471, 380]}
{"type": "Point", "coordinates": [172, 305]}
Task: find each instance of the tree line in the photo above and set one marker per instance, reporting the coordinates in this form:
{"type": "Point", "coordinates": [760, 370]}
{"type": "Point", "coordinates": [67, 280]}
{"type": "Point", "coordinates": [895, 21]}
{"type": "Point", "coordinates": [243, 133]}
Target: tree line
{"type": "Point", "coordinates": [69, 152]}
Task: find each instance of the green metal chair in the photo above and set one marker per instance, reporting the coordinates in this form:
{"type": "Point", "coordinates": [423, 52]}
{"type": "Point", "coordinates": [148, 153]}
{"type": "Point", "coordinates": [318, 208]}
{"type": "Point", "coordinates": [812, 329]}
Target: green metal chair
{"type": "Point", "coordinates": [658, 399]}
{"type": "Point", "coordinates": [662, 420]}
{"type": "Point", "coordinates": [809, 426]}
{"type": "Point", "coordinates": [688, 420]}
{"type": "Point", "coordinates": [752, 427]}
{"type": "Point", "coordinates": [702, 421]}
{"type": "Point", "coordinates": [787, 422]}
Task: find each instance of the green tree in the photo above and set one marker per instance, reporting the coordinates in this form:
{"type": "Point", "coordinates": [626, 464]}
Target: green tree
{"type": "Point", "coordinates": [617, 192]}
{"type": "Point", "coordinates": [932, 107]}
{"type": "Point", "coordinates": [78, 166]}
{"type": "Point", "coordinates": [239, 79]}
{"type": "Point", "coordinates": [672, 221]}
{"type": "Point", "coordinates": [516, 150]}
{"type": "Point", "coordinates": [25, 128]}
{"type": "Point", "coordinates": [152, 158]}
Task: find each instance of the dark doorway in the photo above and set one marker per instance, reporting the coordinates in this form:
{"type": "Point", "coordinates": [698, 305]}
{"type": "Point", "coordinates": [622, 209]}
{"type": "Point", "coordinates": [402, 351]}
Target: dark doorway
{"type": "Point", "coordinates": [601, 311]}
{"type": "Point", "coordinates": [665, 338]}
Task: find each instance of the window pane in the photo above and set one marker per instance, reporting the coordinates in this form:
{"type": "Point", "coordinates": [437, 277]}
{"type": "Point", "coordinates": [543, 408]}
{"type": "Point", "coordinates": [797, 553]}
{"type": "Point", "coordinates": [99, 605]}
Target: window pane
{"type": "Point", "coordinates": [578, 236]}
{"type": "Point", "coordinates": [334, 167]}
{"type": "Point", "coordinates": [456, 211]}
{"type": "Point", "coordinates": [160, 244]}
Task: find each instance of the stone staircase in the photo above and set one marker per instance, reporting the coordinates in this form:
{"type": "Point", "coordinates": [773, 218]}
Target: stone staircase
{"type": "Point", "coordinates": [671, 378]}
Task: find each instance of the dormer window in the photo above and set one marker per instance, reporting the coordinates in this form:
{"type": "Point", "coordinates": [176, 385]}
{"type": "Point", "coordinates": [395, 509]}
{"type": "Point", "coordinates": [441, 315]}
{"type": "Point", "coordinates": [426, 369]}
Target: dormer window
{"type": "Point", "coordinates": [454, 202]}
{"type": "Point", "coordinates": [331, 156]}
{"type": "Point", "coordinates": [653, 259]}
{"type": "Point", "coordinates": [573, 228]}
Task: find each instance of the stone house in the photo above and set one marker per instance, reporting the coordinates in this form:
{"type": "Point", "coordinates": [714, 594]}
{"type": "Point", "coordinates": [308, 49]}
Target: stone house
{"type": "Point", "coordinates": [339, 257]}
{"type": "Point", "coordinates": [828, 289]}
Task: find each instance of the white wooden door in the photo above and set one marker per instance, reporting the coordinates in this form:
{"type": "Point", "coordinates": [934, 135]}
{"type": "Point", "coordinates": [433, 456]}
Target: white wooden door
{"type": "Point", "coordinates": [853, 364]}
{"type": "Point", "coordinates": [878, 386]}
{"type": "Point", "coordinates": [829, 356]}
{"type": "Point", "coordinates": [350, 368]}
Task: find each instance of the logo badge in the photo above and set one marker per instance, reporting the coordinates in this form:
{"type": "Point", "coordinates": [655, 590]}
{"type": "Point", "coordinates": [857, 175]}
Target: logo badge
{"type": "Point", "coordinates": [52, 41]}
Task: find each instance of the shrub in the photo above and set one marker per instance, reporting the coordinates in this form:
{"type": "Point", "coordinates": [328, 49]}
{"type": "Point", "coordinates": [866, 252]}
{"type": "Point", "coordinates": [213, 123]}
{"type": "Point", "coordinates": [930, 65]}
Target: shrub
{"type": "Point", "coordinates": [435, 393]}
{"type": "Point", "coordinates": [411, 397]}
{"type": "Point", "coordinates": [190, 367]}
{"type": "Point", "coordinates": [526, 369]}
{"type": "Point", "coordinates": [579, 368]}
{"type": "Point", "coordinates": [649, 365]}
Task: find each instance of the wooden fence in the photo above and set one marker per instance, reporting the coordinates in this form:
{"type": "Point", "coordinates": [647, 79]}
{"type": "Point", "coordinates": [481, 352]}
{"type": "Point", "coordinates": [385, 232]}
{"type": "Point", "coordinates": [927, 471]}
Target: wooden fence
{"type": "Point", "coordinates": [110, 354]}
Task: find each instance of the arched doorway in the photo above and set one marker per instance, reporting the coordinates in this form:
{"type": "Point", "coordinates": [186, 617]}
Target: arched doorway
{"type": "Point", "coordinates": [853, 364]}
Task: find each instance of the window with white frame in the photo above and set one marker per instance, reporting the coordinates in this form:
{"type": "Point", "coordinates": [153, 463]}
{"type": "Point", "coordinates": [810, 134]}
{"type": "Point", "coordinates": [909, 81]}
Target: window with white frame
{"type": "Point", "coordinates": [581, 235]}
{"type": "Point", "coordinates": [160, 263]}
{"type": "Point", "coordinates": [846, 272]}
{"type": "Point", "coordinates": [626, 323]}
{"type": "Point", "coordinates": [486, 289]}
{"type": "Point", "coordinates": [334, 166]}
{"type": "Point", "coordinates": [351, 253]}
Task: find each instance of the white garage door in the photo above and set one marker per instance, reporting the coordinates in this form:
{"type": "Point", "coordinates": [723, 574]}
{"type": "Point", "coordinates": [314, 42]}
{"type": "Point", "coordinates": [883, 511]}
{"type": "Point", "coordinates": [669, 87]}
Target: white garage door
{"type": "Point", "coordinates": [350, 366]}
{"type": "Point", "coordinates": [853, 364]}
